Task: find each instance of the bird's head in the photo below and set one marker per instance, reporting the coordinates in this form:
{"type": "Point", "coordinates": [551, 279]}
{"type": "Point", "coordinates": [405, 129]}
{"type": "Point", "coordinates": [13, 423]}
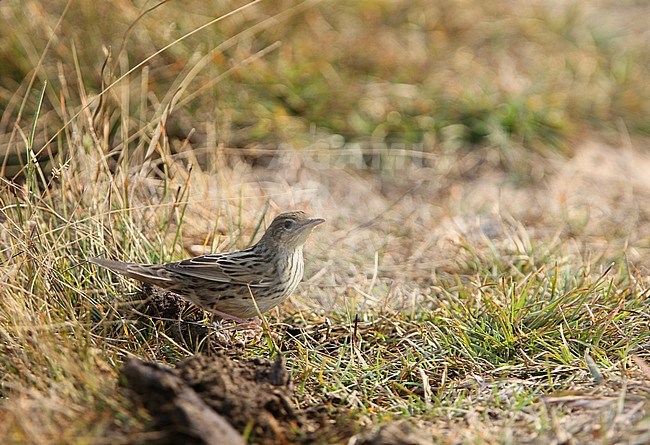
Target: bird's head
{"type": "Point", "coordinates": [290, 230]}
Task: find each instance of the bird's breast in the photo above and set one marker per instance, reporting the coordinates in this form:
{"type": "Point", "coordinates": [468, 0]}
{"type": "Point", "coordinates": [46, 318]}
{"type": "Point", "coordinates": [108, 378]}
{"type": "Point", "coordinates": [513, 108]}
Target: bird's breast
{"type": "Point", "coordinates": [290, 271]}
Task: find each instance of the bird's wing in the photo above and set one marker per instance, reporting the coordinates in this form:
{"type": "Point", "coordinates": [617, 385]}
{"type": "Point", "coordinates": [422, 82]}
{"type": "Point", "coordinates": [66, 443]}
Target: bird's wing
{"type": "Point", "coordinates": [241, 267]}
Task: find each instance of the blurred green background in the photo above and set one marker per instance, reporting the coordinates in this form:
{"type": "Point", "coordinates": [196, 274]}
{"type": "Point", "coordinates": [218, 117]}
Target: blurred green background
{"type": "Point", "coordinates": [442, 75]}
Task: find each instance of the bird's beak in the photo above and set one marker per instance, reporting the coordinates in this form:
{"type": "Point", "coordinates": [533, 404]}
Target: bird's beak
{"type": "Point", "coordinates": [313, 222]}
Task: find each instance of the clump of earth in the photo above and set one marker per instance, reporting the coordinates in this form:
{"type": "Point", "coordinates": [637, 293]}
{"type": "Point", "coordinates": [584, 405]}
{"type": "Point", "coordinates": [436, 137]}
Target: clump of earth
{"type": "Point", "coordinates": [214, 399]}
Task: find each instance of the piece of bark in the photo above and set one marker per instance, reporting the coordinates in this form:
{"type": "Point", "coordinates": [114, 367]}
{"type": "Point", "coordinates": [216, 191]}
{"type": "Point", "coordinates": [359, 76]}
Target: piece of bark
{"type": "Point", "coordinates": [176, 408]}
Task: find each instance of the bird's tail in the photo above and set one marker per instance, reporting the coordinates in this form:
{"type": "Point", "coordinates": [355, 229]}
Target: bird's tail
{"type": "Point", "coordinates": [115, 266]}
{"type": "Point", "coordinates": [148, 273]}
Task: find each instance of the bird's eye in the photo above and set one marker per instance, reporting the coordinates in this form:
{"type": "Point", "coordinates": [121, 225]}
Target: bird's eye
{"type": "Point", "coordinates": [288, 224]}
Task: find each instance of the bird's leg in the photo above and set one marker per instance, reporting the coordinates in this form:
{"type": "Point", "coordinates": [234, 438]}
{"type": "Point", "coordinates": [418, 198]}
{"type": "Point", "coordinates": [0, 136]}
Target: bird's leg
{"type": "Point", "coordinates": [226, 316]}
{"type": "Point", "coordinates": [251, 323]}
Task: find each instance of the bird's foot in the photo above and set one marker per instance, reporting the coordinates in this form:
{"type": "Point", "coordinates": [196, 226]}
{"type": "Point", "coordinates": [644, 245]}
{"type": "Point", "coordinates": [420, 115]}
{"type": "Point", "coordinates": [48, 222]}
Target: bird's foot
{"type": "Point", "coordinates": [226, 316]}
{"type": "Point", "coordinates": [254, 324]}
{"type": "Point", "coordinates": [240, 323]}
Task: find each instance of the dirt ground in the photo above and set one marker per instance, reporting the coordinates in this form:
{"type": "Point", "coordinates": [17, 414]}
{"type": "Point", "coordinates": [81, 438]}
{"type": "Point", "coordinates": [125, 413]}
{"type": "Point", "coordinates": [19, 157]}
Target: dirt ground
{"type": "Point", "coordinates": [423, 219]}
{"type": "Point", "coordinates": [218, 400]}
{"type": "Point", "coordinates": [215, 397]}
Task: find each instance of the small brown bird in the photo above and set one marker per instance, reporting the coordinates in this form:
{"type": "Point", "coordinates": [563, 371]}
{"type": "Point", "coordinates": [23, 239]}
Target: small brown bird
{"type": "Point", "coordinates": [226, 283]}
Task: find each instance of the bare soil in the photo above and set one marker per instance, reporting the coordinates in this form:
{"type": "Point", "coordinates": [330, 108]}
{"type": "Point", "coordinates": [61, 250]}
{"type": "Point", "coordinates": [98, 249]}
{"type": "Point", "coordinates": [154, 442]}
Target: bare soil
{"type": "Point", "coordinates": [218, 400]}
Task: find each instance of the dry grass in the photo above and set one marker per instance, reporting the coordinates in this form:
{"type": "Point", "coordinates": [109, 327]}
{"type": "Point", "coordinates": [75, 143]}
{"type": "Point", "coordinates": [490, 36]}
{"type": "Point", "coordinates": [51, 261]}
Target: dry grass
{"type": "Point", "coordinates": [492, 295]}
